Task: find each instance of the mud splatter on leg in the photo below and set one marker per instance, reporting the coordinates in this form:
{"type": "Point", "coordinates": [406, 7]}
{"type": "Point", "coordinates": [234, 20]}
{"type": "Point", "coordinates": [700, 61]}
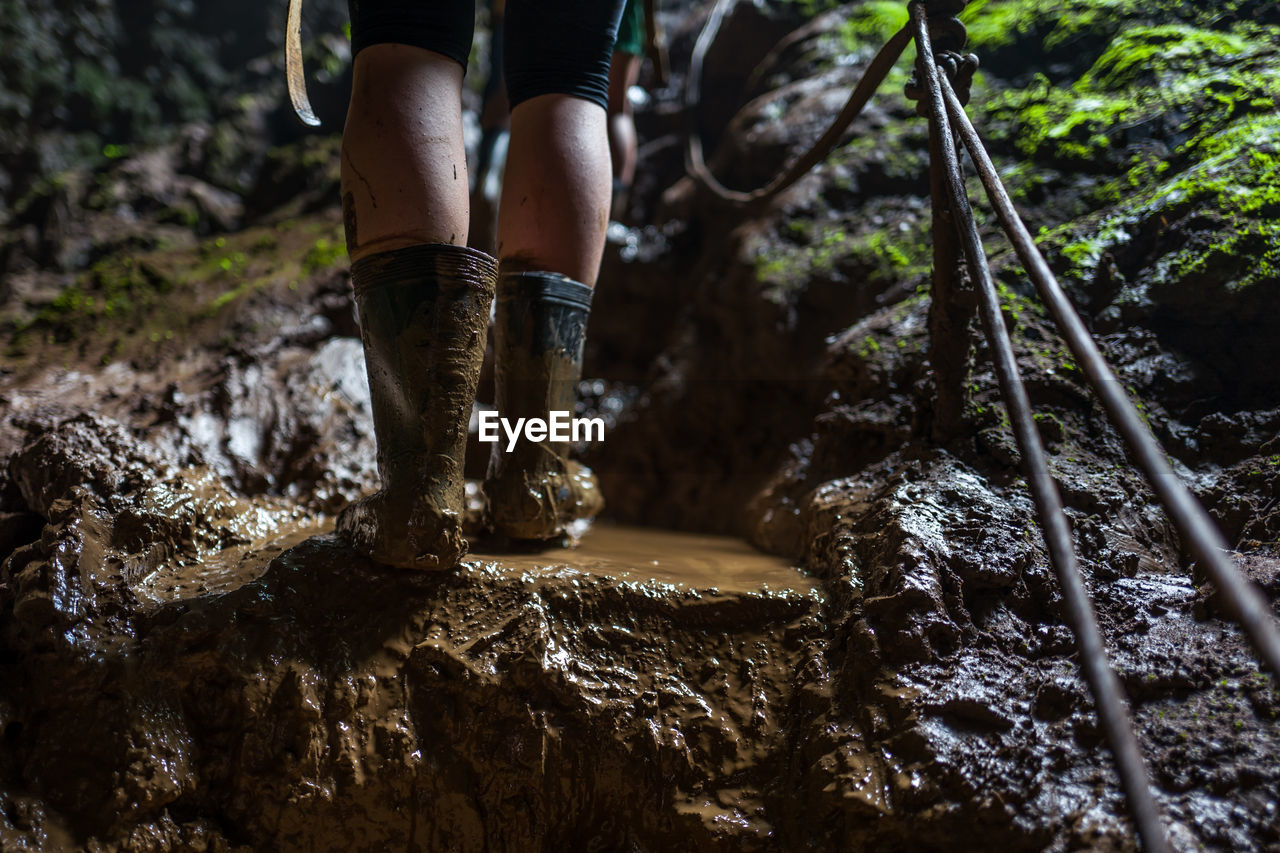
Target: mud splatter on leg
{"type": "Point", "coordinates": [349, 221]}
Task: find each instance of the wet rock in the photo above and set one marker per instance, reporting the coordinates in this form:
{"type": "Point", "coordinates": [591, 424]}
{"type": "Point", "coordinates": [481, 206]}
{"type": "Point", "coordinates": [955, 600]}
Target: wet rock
{"type": "Point", "coordinates": [297, 423]}
{"type": "Point", "coordinates": [369, 711]}
{"type": "Point", "coordinates": [114, 510]}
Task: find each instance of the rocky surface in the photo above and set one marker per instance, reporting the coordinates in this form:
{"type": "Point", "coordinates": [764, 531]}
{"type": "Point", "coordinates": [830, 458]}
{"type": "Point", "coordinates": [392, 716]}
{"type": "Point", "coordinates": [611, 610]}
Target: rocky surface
{"type": "Point", "coordinates": [189, 661]}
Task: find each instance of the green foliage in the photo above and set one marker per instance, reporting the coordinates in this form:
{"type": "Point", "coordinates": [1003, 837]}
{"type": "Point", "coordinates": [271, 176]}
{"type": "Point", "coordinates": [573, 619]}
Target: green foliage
{"type": "Point", "coordinates": [1175, 115]}
{"type": "Point", "coordinates": [993, 24]}
{"type": "Point", "coordinates": [900, 150]}
{"type": "Point", "coordinates": [868, 347]}
{"type": "Point", "coordinates": [881, 255]}
{"type": "Point", "coordinates": [865, 30]}
{"type": "Point", "coordinates": [1148, 56]}
{"type": "Point", "coordinates": [114, 288]}
{"type": "Point", "coordinates": [872, 23]}
{"type": "Point", "coordinates": [1014, 306]}
{"type": "Point", "coordinates": [1144, 77]}
{"type": "Point", "coordinates": [1060, 125]}
{"type": "Point", "coordinates": [80, 78]}
{"type": "Point", "coordinates": [1068, 25]}
{"type": "Point", "coordinates": [324, 254]}
{"type": "Point", "coordinates": [1234, 186]}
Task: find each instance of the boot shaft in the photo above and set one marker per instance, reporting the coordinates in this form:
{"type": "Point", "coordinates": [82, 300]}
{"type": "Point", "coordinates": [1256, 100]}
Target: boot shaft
{"type": "Point", "coordinates": [539, 332]}
{"type": "Point", "coordinates": [424, 311]}
{"type": "Point", "coordinates": [535, 492]}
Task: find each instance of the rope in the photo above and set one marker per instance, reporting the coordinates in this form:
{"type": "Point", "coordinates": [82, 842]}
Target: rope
{"type": "Point", "coordinates": [695, 163]}
{"type": "Point", "coordinates": [293, 65]}
{"type": "Point", "coordinates": [1243, 599]}
{"type": "Point", "coordinates": [1103, 684]}
{"type": "Point", "coordinates": [941, 97]}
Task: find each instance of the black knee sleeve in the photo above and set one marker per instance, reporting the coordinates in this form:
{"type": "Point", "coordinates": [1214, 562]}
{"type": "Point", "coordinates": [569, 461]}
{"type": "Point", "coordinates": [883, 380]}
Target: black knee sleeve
{"type": "Point", "coordinates": [560, 47]}
{"type": "Point", "coordinates": [445, 26]}
{"type": "Point", "coordinates": [551, 46]}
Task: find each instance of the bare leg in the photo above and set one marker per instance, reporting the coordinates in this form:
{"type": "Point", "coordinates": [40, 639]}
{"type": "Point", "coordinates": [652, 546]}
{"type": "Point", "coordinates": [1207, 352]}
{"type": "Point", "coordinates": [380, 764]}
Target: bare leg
{"type": "Point", "coordinates": [623, 74]}
{"type": "Point", "coordinates": [404, 169]}
{"type": "Point", "coordinates": [555, 194]}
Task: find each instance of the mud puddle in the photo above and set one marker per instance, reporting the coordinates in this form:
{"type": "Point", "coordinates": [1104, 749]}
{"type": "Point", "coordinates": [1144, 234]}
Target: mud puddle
{"type": "Point", "coordinates": [638, 554]}
{"type": "Point", "coordinates": [619, 552]}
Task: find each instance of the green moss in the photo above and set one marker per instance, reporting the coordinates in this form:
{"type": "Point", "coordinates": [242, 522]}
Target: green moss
{"type": "Point", "coordinates": [1139, 406]}
{"type": "Point", "coordinates": [323, 255]}
{"type": "Point", "coordinates": [770, 267]}
{"type": "Point", "coordinates": [900, 151]}
{"type": "Point", "coordinates": [126, 305]}
{"type": "Point", "coordinates": [1147, 56]}
{"type": "Point", "coordinates": [1256, 243]}
{"type": "Point", "coordinates": [1015, 306]}
{"type": "Point", "coordinates": [1145, 76]}
{"type": "Point", "coordinates": [1239, 188]}
{"type": "Point", "coordinates": [807, 8]}
{"type": "Point", "coordinates": [1225, 170]}
{"type": "Point", "coordinates": [864, 30]}
{"type": "Point", "coordinates": [998, 23]}
{"type": "Point", "coordinates": [1072, 24]}
{"type": "Point", "coordinates": [266, 242]}
{"type": "Point", "coordinates": [225, 298]}
{"type": "Point", "coordinates": [879, 256]}
{"type": "Point", "coordinates": [873, 22]}
{"type": "Point", "coordinates": [114, 288]}
{"type": "Point", "coordinates": [1062, 126]}
{"type": "Point", "coordinates": [233, 264]}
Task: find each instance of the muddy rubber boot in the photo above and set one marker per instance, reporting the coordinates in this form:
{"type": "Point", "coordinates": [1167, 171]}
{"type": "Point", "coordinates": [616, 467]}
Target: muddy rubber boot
{"type": "Point", "coordinates": [536, 492]}
{"type": "Point", "coordinates": [424, 311]}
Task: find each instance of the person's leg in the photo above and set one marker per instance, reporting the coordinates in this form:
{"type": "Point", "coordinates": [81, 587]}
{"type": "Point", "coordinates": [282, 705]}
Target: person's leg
{"type": "Point", "coordinates": [423, 297]}
{"type": "Point", "coordinates": [556, 187]}
{"type": "Point", "coordinates": [495, 115]}
{"type": "Point", "coordinates": [624, 71]}
{"type": "Point", "coordinates": [623, 74]}
{"type": "Point", "coordinates": [495, 112]}
{"type": "Point", "coordinates": [404, 168]}
{"type": "Point", "coordinates": [551, 230]}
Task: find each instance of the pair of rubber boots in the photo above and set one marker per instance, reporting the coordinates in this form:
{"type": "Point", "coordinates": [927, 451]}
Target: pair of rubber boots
{"type": "Point", "coordinates": [424, 312]}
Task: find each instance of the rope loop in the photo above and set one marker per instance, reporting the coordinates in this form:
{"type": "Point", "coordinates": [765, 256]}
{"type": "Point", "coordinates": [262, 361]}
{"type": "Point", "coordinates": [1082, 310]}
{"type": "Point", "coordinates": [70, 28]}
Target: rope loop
{"type": "Point", "coordinates": [959, 70]}
{"type": "Point", "coordinates": [948, 36]}
{"type": "Point", "coordinates": [946, 32]}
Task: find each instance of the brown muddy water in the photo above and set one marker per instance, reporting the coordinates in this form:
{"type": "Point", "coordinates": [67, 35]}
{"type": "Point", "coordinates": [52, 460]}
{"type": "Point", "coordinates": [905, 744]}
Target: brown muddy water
{"type": "Point", "coordinates": [688, 560]}
{"type": "Point", "coordinates": [624, 553]}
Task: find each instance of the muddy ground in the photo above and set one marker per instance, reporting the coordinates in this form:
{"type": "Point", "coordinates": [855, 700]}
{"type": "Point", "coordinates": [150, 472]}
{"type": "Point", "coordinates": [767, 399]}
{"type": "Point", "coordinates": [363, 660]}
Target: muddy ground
{"type": "Point", "coordinates": [190, 660]}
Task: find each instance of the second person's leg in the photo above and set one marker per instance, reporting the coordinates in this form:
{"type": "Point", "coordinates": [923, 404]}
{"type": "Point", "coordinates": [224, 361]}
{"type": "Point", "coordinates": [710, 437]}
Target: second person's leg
{"type": "Point", "coordinates": [551, 230]}
{"type": "Point", "coordinates": [556, 188]}
{"type": "Point", "coordinates": [628, 54]}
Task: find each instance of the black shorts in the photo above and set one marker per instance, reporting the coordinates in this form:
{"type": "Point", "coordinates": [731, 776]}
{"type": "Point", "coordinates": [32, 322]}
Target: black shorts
{"type": "Point", "coordinates": [551, 46]}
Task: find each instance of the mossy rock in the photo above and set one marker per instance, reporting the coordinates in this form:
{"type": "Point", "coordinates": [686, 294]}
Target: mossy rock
{"type": "Point", "coordinates": [1151, 90]}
